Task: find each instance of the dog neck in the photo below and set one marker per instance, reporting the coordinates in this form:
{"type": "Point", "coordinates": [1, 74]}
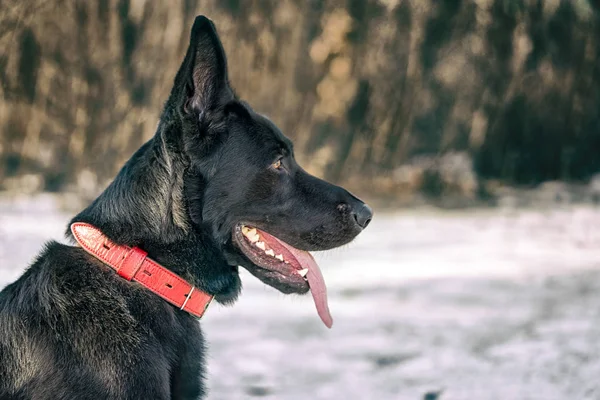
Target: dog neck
{"type": "Point", "coordinates": [145, 207]}
{"type": "Point", "coordinates": [145, 200]}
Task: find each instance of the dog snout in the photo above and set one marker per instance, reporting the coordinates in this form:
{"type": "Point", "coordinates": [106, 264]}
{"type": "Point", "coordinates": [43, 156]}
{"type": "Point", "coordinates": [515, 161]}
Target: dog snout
{"type": "Point", "coordinates": [362, 214]}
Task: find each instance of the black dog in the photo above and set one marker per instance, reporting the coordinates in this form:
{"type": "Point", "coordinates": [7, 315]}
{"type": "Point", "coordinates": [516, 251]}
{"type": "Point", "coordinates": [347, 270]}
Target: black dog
{"type": "Point", "coordinates": [200, 198]}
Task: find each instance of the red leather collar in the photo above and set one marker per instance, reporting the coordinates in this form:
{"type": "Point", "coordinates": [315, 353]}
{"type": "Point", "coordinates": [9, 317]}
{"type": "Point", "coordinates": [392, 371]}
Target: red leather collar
{"type": "Point", "coordinates": [133, 264]}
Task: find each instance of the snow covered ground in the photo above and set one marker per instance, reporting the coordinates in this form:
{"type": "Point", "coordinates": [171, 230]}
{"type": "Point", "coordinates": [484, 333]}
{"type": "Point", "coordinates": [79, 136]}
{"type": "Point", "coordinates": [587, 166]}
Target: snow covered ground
{"type": "Point", "coordinates": [487, 304]}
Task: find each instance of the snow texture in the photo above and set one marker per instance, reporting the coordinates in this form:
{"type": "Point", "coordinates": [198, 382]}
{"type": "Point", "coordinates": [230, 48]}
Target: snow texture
{"type": "Point", "coordinates": [479, 304]}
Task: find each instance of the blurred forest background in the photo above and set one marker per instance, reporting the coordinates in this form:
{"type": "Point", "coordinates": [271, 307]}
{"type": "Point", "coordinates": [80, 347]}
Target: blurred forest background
{"type": "Point", "coordinates": [398, 99]}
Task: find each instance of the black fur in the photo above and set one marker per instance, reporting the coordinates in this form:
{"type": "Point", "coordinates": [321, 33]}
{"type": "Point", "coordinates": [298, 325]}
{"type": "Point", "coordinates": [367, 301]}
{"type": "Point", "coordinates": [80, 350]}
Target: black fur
{"type": "Point", "coordinates": [70, 328]}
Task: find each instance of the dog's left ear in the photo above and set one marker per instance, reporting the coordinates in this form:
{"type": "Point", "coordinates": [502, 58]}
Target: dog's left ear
{"type": "Point", "coordinates": [201, 85]}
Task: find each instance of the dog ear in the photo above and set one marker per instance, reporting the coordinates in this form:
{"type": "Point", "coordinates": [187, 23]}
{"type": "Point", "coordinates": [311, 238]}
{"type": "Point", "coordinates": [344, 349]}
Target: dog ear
{"type": "Point", "coordinates": [201, 83]}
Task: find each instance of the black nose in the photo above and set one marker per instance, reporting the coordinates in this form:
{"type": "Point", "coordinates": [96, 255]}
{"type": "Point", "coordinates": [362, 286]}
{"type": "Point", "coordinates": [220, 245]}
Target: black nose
{"type": "Point", "coordinates": [362, 214]}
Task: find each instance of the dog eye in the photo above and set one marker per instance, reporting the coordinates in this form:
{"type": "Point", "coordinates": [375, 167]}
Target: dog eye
{"type": "Point", "coordinates": [277, 164]}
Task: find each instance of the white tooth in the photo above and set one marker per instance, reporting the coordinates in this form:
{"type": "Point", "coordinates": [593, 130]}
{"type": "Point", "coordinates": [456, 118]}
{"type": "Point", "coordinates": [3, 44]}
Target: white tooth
{"type": "Point", "coordinates": [279, 257]}
{"type": "Point", "coordinates": [260, 245]}
{"type": "Point", "coordinates": [252, 232]}
{"type": "Point", "coordinates": [245, 229]}
{"type": "Point", "coordinates": [303, 272]}
{"type": "Point", "coordinates": [286, 261]}
{"type": "Point", "coordinates": [270, 252]}
{"type": "Point", "coordinates": [254, 238]}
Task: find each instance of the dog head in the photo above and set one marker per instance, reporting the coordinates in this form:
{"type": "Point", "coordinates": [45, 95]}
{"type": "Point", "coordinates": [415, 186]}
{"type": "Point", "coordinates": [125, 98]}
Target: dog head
{"type": "Point", "coordinates": [244, 183]}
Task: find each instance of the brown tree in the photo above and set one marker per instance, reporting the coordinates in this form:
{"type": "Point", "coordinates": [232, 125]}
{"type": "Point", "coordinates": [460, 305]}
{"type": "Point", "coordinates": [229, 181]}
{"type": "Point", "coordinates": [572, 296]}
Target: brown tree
{"type": "Point", "coordinates": [363, 87]}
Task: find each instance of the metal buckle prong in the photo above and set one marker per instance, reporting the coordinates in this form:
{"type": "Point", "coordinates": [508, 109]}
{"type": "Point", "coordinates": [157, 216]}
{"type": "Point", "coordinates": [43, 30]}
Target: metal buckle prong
{"type": "Point", "coordinates": [188, 297]}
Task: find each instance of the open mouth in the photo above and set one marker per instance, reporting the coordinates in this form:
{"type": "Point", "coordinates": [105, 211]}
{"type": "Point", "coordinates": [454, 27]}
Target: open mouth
{"type": "Point", "coordinates": [281, 265]}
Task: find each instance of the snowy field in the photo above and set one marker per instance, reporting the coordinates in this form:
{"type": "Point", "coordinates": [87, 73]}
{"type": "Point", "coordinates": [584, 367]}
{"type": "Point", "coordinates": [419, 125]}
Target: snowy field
{"type": "Point", "coordinates": [489, 304]}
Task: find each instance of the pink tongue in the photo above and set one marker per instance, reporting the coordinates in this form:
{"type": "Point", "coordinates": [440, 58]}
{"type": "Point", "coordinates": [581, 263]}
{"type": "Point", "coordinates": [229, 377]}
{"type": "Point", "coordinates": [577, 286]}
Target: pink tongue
{"type": "Point", "coordinates": [316, 283]}
{"type": "Point", "coordinates": [314, 276]}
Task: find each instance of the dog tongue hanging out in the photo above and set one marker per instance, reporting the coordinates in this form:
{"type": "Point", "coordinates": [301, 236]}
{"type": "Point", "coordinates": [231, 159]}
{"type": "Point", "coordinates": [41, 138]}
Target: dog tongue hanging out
{"type": "Point", "coordinates": [287, 262]}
